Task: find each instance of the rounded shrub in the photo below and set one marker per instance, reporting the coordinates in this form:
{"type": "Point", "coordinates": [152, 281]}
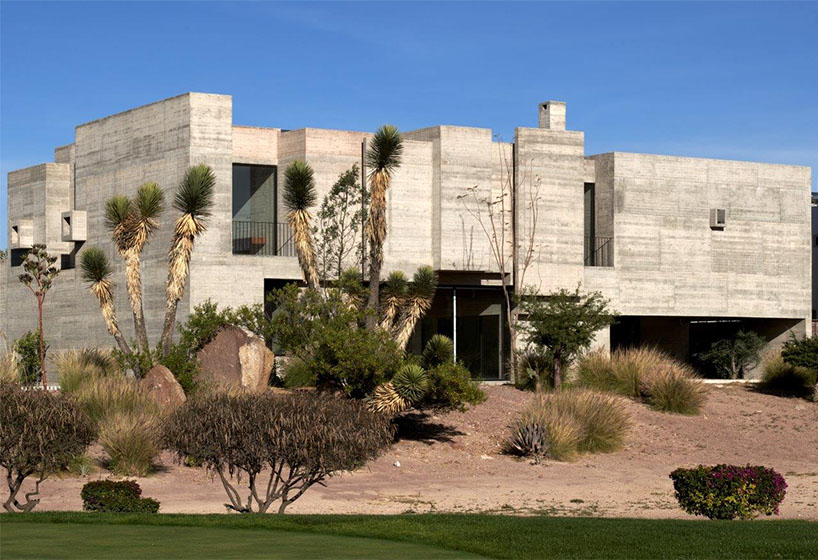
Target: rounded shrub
{"type": "Point", "coordinates": [452, 387]}
{"type": "Point", "coordinates": [109, 496]}
{"type": "Point", "coordinates": [671, 389]}
{"type": "Point", "coordinates": [784, 378]}
{"type": "Point", "coordinates": [729, 491]}
{"type": "Point", "coordinates": [131, 441]}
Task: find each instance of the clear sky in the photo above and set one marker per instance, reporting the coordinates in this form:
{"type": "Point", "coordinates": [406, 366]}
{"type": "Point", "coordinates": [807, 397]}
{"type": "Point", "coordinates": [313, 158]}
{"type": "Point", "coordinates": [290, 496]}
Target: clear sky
{"type": "Point", "coordinates": [732, 80]}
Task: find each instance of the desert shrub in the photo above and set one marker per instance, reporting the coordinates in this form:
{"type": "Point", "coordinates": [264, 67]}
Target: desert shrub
{"type": "Point", "coordinates": [570, 422]}
{"type": "Point", "coordinates": [450, 386]}
{"type": "Point", "coordinates": [298, 373]}
{"type": "Point", "coordinates": [672, 389]}
{"type": "Point", "coordinates": [77, 366]}
{"type": "Point", "coordinates": [183, 365]}
{"type": "Point", "coordinates": [40, 433]}
{"type": "Point", "coordinates": [299, 439]}
{"type": "Point", "coordinates": [438, 350]}
{"type": "Point", "coordinates": [203, 324]}
{"type": "Point", "coordinates": [9, 364]}
{"type": "Point", "coordinates": [110, 496]}
{"type": "Point", "coordinates": [646, 374]}
{"type": "Point", "coordinates": [784, 378]}
{"type": "Point", "coordinates": [535, 370]}
{"type": "Point", "coordinates": [731, 358]}
{"type": "Point", "coordinates": [801, 352]}
{"type": "Point", "coordinates": [81, 465]}
{"type": "Point", "coordinates": [131, 441]}
{"type": "Point", "coordinates": [729, 491]}
{"type": "Point", "coordinates": [27, 348]}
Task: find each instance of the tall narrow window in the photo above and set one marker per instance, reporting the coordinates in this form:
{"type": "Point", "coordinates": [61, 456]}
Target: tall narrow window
{"type": "Point", "coordinates": [255, 230]}
{"type": "Point", "coordinates": [590, 220]}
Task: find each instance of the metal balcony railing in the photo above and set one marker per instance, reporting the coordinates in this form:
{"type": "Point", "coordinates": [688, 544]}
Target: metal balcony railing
{"type": "Point", "coordinates": [268, 239]}
{"type": "Point", "coordinates": [599, 251]}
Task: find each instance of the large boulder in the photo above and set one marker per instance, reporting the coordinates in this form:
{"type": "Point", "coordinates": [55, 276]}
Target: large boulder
{"type": "Point", "coordinates": [236, 359]}
{"type": "Point", "coordinates": [161, 386]}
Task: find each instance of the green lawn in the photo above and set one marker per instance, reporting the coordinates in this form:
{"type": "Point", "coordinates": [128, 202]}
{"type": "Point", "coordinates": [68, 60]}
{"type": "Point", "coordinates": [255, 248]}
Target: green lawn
{"type": "Point", "coordinates": [87, 536]}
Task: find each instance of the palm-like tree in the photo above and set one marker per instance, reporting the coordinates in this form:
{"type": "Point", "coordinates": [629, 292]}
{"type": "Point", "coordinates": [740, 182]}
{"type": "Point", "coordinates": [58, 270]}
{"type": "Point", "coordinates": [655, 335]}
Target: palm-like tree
{"type": "Point", "coordinates": [299, 195]}
{"type": "Point", "coordinates": [194, 199]}
{"type": "Point", "coordinates": [393, 295]}
{"type": "Point", "coordinates": [132, 224]}
{"type": "Point", "coordinates": [421, 293]}
{"type": "Point", "coordinates": [383, 158]}
{"type": "Point", "coordinates": [96, 270]}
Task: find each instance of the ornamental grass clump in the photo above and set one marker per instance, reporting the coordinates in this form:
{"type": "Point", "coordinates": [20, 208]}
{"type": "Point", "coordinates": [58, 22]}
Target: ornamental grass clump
{"type": "Point", "coordinates": [729, 491]}
{"type": "Point", "coordinates": [131, 441]}
{"type": "Point", "coordinates": [276, 445]}
{"type": "Point", "coordinates": [563, 424]}
{"type": "Point", "coordinates": [646, 374]}
{"type": "Point", "coordinates": [77, 366]}
{"type": "Point", "coordinates": [783, 378]}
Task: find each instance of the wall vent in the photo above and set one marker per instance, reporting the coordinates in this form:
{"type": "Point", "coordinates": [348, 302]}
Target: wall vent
{"type": "Point", "coordinates": [718, 218]}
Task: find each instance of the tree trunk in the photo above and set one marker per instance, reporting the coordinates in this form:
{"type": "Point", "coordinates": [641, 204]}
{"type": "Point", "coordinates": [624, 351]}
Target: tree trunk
{"type": "Point", "coordinates": [133, 279]}
{"type": "Point", "coordinates": [557, 372]}
{"type": "Point", "coordinates": [42, 339]}
{"type": "Point", "coordinates": [167, 329]}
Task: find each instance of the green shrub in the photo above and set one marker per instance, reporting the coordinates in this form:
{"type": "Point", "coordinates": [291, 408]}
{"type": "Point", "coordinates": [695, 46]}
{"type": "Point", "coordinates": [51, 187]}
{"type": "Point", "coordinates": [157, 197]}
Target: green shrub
{"type": "Point", "coordinates": [81, 465]}
{"type": "Point", "coordinates": [647, 374]}
{"type": "Point", "coordinates": [27, 348]}
{"type": "Point", "coordinates": [729, 491]}
{"type": "Point", "coordinates": [452, 387]}
{"type": "Point", "coordinates": [535, 370]}
{"type": "Point", "coordinates": [785, 378]}
{"type": "Point", "coordinates": [570, 422]}
{"type": "Point", "coordinates": [801, 352]}
{"type": "Point", "coordinates": [298, 373]}
{"type": "Point", "coordinates": [202, 325]}
{"type": "Point", "coordinates": [110, 496]}
{"type": "Point", "coordinates": [731, 358]}
{"type": "Point", "coordinates": [184, 366]}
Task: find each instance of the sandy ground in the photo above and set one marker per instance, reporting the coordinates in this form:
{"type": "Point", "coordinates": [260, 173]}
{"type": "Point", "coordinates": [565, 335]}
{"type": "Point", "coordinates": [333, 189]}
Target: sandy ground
{"type": "Point", "coordinates": [452, 463]}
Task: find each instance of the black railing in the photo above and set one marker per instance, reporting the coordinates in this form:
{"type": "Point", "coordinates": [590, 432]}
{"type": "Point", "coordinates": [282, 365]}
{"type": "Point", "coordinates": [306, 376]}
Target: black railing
{"type": "Point", "coordinates": [263, 238]}
{"type": "Point", "coordinates": [599, 251]}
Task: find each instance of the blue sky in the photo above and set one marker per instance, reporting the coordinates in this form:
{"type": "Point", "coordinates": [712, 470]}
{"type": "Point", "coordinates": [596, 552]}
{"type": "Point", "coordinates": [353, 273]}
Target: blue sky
{"type": "Point", "coordinates": [732, 80]}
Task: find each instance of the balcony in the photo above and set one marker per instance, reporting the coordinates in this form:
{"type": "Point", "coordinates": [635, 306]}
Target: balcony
{"type": "Point", "coordinates": [599, 251]}
{"type": "Point", "coordinates": [266, 239]}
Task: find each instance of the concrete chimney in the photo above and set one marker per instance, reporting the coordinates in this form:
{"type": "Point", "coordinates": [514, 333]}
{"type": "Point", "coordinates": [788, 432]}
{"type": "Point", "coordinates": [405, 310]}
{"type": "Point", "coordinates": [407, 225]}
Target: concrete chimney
{"type": "Point", "coordinates": [552, 115]}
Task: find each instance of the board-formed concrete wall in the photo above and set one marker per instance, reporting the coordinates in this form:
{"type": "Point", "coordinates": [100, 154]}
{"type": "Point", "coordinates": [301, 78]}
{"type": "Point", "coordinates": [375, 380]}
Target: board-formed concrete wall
{"type": "Point", "coordinates": [669, 261]}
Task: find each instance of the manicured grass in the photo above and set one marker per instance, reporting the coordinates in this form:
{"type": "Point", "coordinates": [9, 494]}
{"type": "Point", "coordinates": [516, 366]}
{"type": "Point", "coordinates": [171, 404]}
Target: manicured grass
{"type": "Point", "coordinates": [271, 536]}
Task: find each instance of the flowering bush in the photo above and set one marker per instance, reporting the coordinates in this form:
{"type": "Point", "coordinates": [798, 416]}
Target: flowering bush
{"type": "Point", "coordinates": [729, 491]}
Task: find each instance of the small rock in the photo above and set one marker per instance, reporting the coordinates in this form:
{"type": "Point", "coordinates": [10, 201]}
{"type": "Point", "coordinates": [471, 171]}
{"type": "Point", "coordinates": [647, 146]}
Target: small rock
{"type": "Point", "coordinates": [396, 463]}
{"type": "Point", "coordinates": [485, 457]}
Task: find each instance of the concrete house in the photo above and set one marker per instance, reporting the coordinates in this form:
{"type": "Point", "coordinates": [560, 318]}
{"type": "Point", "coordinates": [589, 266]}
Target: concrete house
{"type": "Point", "coordinates": [688, 250]}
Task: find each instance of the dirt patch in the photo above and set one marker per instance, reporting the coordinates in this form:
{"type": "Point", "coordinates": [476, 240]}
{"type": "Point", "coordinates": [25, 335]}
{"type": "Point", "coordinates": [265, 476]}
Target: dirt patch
{"type": "Point", "coordinates": [452, 463]}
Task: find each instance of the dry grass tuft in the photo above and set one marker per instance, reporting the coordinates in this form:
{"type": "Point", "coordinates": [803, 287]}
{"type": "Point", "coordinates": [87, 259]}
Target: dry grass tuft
{"type": "Point", "coordinates": [131, 442]}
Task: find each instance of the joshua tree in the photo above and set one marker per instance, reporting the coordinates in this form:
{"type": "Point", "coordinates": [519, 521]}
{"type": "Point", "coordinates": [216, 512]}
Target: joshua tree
{"type": "Point", "coordinates": [38, 277]}
{"type": "Point", "coordinates": [418, 302]}
{"type": "Point", "coordinates": [132, 224]}
{"type": "Point", "coordinates": [299, 195]}
{"type": "Point", "coordinates": [194, 199]}
{"type": "Point", "coordinates": [383, 158]}
{"type": "Point", "coordinates": [96, 270]}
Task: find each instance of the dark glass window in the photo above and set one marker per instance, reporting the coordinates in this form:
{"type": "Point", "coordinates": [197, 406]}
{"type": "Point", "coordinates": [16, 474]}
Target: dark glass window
{"type": "Point", "coordinates": [254, 193]}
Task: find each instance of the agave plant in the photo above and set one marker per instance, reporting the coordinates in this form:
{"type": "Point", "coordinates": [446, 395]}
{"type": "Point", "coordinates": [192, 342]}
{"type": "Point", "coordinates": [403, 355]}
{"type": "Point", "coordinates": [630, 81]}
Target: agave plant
{"type": "Point", "coordinates": [132, 224]}
{"type": "Point", "coordinates": [529, 439]}
{"type": "Point", "coordinates": [393, 295]}
{"type": "Point", "coordinates": [194, 199]}
{"type": "Point", "coordinates": [96, 270]}
{"type": "Point", "coordinates": [387, 400]}
{"type": "Point", "coordinates": [299, 195]}
{"type": "Point", "coordinates": [419, 300]}
{"type": "Point", "coordinates": [383, 158]}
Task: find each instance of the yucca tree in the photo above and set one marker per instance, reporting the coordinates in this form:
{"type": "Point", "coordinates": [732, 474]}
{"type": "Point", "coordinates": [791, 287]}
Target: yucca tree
{"type": "Point", "coordinates": [419, 300]}
{"type": "Point", "coordinates": [299, 195]}
{"type": "Point", "coordinates": [383, 158]}
{"type": "Point", "coordinates": [96, 270]}
{"type": "Point", "coordinates": [194, 199]}
{"type": "Point", "coordinates": [393, 295]}
{"type": "Point", "coordinates": [132, 224]}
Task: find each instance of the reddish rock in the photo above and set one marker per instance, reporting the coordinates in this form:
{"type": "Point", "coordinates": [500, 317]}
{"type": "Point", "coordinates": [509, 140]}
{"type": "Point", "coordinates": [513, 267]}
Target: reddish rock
{"type": "Point", "coordinates": [236, 359]}
{"type": "Point", "coordinates": [160, 385]}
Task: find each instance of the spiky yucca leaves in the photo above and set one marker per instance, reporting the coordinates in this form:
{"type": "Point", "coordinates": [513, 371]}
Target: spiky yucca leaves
{"type": "Point", "coordinates": [194, 199]}
{"type": "Point", "coordinates": [96, 270]}
{"type": "Point", "coordinates": [119, 221]}
{"type": "Point", "coordinates": [418, 302]}
{"type": "Point", "coordinates": [411, 383]}
{"type": "Point", "coordinates": [439, 350]}
{"type": "Point", "coordinates": [393, 295]}
{"type": "Point", "coordinates": [299, 195]}
{"type": "Point", "coordinates": [383, 158]}
{"type": "Point", "coordinates": [387, 400]}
